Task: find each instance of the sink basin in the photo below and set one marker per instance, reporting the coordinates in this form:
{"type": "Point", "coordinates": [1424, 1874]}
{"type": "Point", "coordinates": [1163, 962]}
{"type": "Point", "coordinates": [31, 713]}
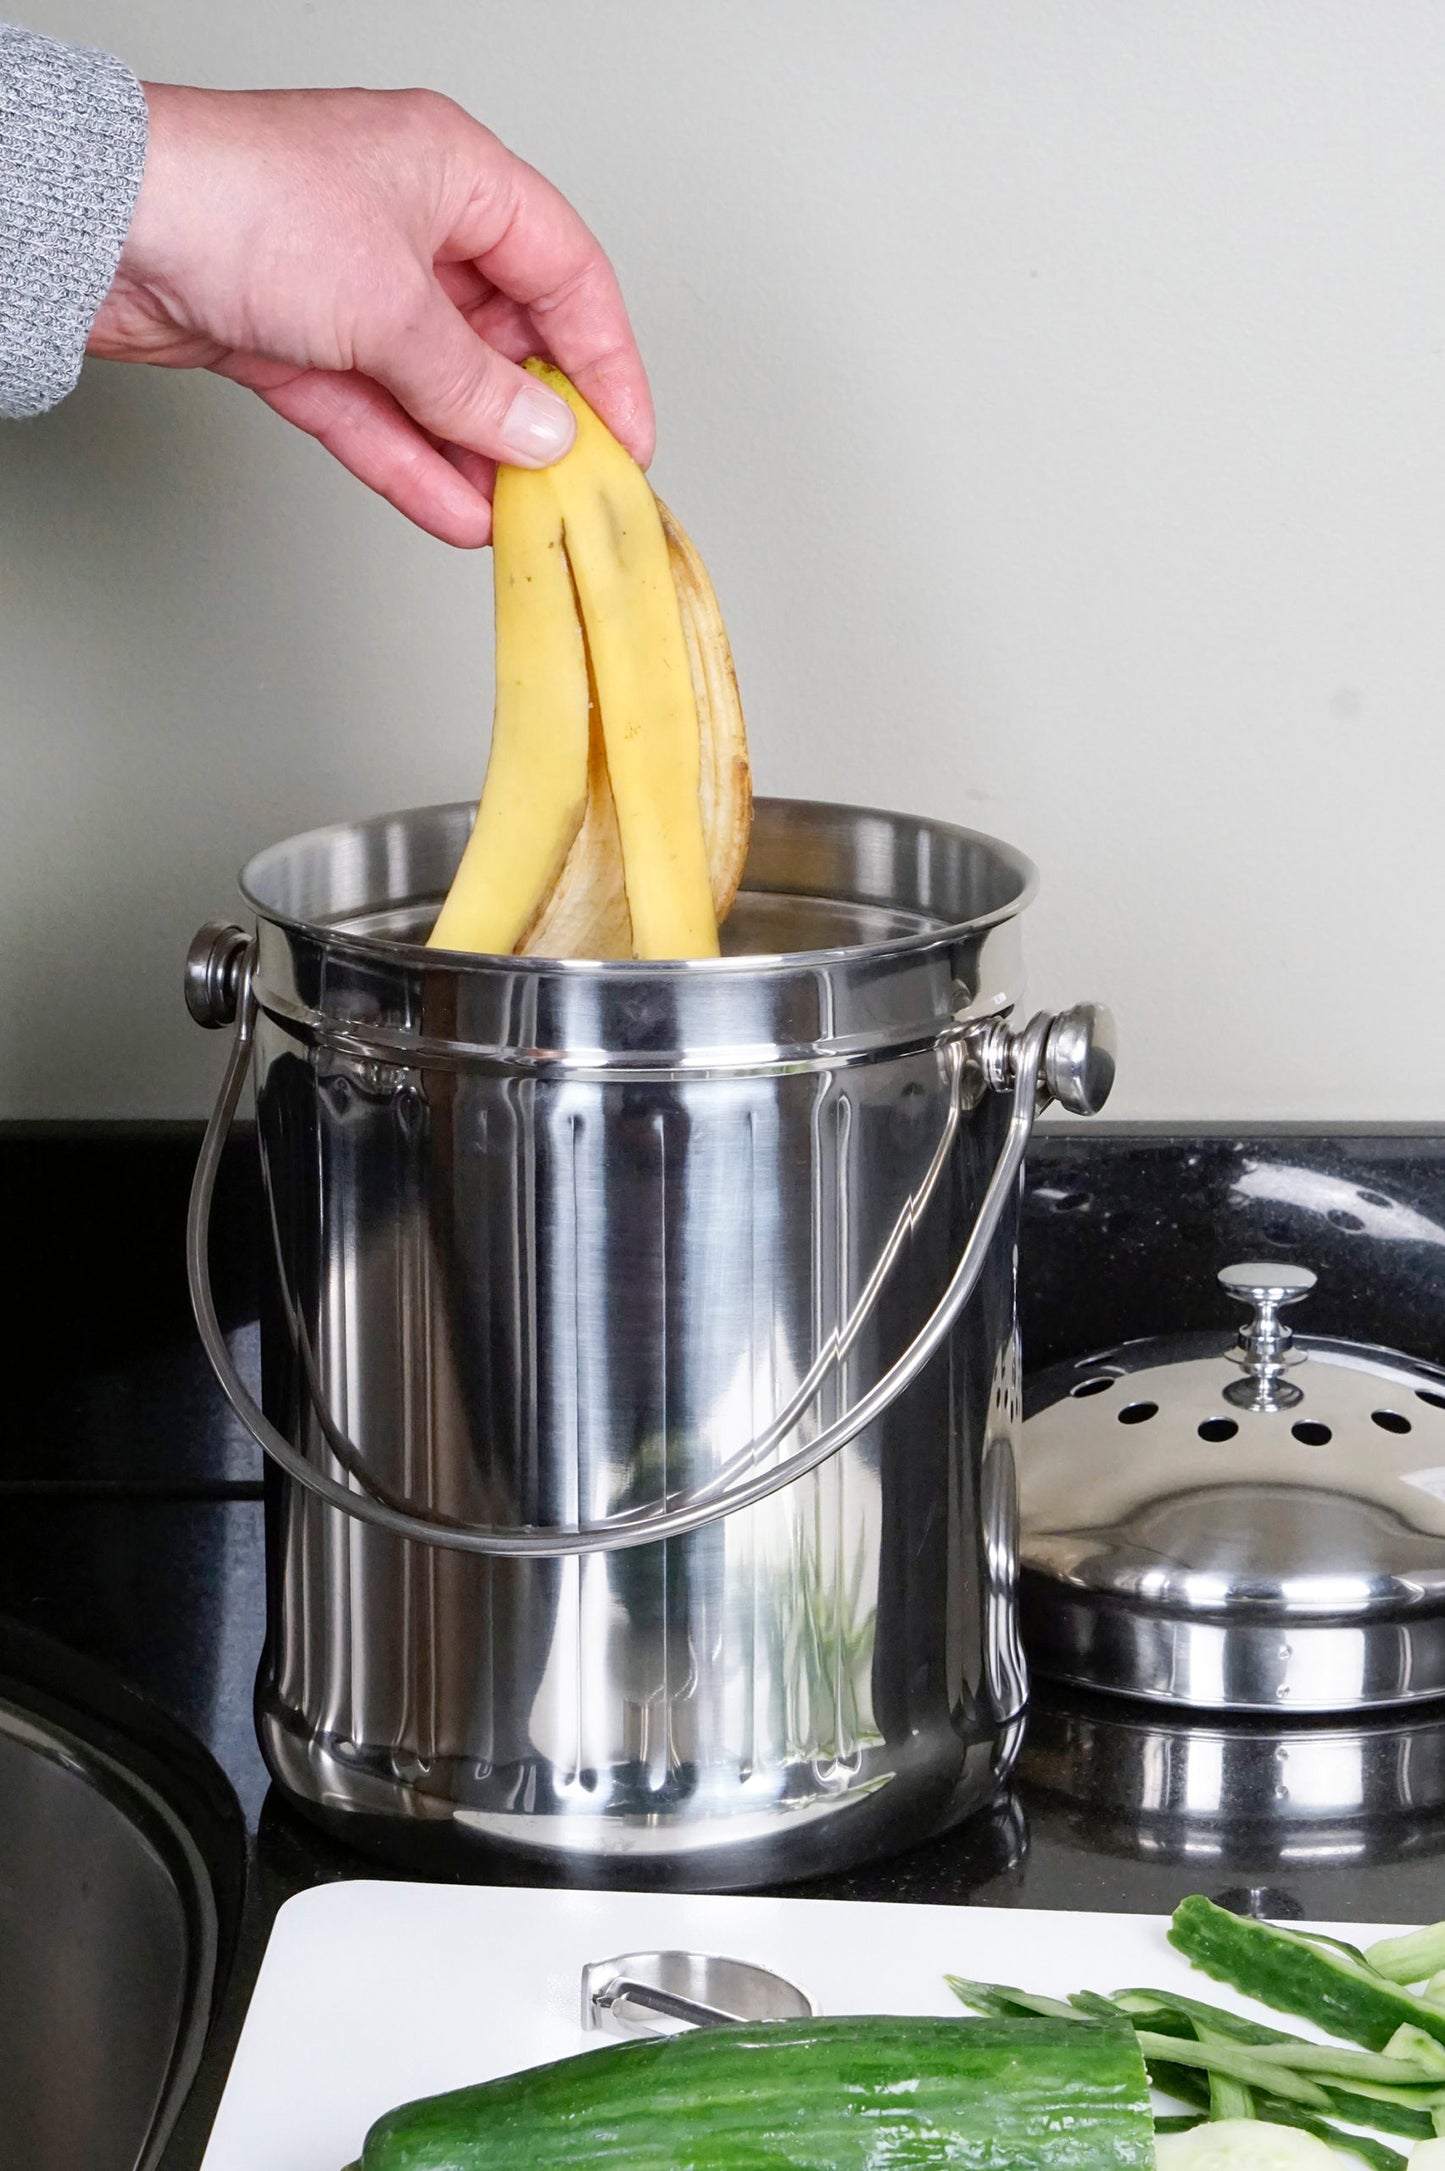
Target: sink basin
{"type": "Point", "coordinates": [121, 1872]}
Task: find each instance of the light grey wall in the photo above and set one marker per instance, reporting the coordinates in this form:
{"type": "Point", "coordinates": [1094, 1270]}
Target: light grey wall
{"type": "Point", "coordinates": [1056, 389]}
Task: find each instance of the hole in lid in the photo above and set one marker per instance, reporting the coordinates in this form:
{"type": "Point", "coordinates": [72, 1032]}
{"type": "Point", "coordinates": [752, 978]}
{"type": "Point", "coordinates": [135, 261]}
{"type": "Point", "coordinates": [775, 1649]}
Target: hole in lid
{"type": "Point", "coordinates": [1311, 1433]}
{"type": "Point", "coordinates": [1389, 1421]}
{"type": "Point", "coordinates": [1373, 1198]}
{"type": "Point", "coordinates": [1427, 1394]}
{"type": "Point", "coordinates": [1218, 1428]}
{"type": "Point", "coordinates": [1342, 1220]}
{"type": "Point", "coordinates": [1138, 1413]}
{"type": "Point", "coordinates": [1090, 1387]}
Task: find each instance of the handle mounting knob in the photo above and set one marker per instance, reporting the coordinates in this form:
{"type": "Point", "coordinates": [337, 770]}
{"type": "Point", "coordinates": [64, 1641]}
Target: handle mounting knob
{"type": "Point", "coordinates": [213, 973]}
{"type": "Point", "coordinates": [1078, 1064]}
{"type": "Point", "coordinates": [1081, 1057]}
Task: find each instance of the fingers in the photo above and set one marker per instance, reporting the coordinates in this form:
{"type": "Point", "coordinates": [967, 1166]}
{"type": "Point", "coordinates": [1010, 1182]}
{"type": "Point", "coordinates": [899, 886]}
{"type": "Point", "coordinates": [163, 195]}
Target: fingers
{"type": "Point", "coordinates": [528, 241]}
{"type": "Point", "coordinates": [456, 386]}
{"type": "Point", "coordinates": [496, 318]}
{"type": "Point", "coordinates": [362, 426]}
{"type": "Point", "coordinates": [505, 324]}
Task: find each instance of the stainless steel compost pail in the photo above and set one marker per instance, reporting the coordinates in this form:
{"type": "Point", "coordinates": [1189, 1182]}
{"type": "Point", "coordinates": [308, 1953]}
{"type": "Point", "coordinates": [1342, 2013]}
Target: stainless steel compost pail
{"type": "Point", "coordinates": [639, 1351]}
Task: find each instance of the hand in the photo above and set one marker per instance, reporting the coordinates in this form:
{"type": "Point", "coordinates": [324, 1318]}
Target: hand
{"type": "Point", "coordinates": [376, 265]}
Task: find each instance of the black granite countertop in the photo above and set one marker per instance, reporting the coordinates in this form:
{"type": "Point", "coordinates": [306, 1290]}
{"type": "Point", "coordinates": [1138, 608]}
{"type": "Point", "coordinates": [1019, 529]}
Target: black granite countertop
{"type": "Point", "coordinates": [132, 1521]}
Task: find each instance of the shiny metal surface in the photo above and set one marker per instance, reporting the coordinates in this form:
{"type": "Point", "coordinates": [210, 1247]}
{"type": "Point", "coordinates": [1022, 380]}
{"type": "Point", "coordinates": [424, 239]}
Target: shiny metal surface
{"type": "Point", "coordinates": [1265, 1352]}
{"type": "Point", "coordinates": [107, 1951]}
{"type": "Point", "coordinates": [856, 934]}
{"type": "Point", "coordinates": [737, 1481]}
{"type": "Point", "coordinates": [630, 1995]}
{"type": "Point", "coordinates": [557, 1238]}
{"type": "Point", "coordinates": [1076, 1059]}
{"type": "Point", "coordinates": [214, 966]}
{"type": "Point", "coordinates": [1169, 1787]}
{"type": "Point", "coordinates": [1081, 1058]}
{"type": "Point", "coordinates": [1181, 1545]}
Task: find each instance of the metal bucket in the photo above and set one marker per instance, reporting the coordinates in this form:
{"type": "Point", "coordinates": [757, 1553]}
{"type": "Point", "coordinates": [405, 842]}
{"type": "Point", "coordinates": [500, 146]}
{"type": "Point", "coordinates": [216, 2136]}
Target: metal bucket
{"type": "Point", "coordinates": [639, 1357]}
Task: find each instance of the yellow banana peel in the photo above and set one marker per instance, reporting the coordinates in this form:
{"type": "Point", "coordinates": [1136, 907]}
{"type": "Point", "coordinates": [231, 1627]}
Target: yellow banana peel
{"type": "Point", "coordinates": [615, 815]}
{"type": "Point", "coordinates": [535, 796]}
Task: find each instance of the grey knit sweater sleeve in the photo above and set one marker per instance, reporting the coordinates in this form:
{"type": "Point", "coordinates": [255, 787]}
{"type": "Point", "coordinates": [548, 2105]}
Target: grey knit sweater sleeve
{"type": "Point", "coordinates": [72, 145]}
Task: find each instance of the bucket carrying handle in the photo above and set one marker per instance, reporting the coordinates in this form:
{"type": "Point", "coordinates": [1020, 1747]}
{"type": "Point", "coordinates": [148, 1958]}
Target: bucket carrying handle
{"type": "Point", "coordinates": [1068, 1058]}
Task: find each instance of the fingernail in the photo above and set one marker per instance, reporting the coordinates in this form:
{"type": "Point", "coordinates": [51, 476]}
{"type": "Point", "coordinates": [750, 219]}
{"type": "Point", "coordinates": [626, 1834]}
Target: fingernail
{"type": "Point", "coordinates": [538, 428]}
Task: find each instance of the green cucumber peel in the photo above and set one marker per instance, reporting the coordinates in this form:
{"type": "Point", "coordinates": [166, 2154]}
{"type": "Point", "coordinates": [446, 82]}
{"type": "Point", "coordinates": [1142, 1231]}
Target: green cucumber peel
{"type": "Point", "coordinates": [1406, 2111]}
{"type": "Point", "coordinates": [1185, 2085]}
{"type": "Point", "coordinates": [1422, 2099]}
{"type": "Point", "coordinates": [1228, 2098]}
{"type": "Point", "coordinates": [1234, 2026]}
{"type": "Point", "coordinates": [1321, 1980]}
{"type": "Point", "coordinates": [1193, 2088]}
{"type": "Point", "coordinates": [1173, 2079]}
{"type": "Point", "coordinates": [1398, 2110]}
{"type": "Point", "coordinates": [1093, 2006]}
{"type": "Point", "coordinates": [1421, 2049]}
{"type": "Point", "coordinates": [1410, 1959]}
{"type": "Point", "coordinates": [997, 2001]}
{"type": "Point", "coordinates": [1235, 2064]}
{"type": "Point", "coordinates": [1364, 2108]}
{"type": "Point", "coordinates": [1190, 2088]}
{"type": "Point", "coordinates": [1351, 2065]}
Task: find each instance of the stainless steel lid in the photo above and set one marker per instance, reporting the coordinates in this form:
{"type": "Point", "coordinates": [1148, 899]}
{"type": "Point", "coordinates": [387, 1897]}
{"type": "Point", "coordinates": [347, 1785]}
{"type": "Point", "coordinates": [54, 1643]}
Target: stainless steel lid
{"type": "Point", "coordinates": [1255, 1526]}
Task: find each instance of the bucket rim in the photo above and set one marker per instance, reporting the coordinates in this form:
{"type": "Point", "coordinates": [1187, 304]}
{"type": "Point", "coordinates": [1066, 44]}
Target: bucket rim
{"type": "Point", "coordinates": [420, 954]}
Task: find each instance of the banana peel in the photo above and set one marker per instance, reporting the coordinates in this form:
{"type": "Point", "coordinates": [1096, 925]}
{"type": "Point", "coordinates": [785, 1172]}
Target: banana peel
{"type": "Point", "coordinates": [534, 801]}
{"type": "Point", "coordinates": [586, 914]}
{"type": "Point", "coordinates": [633, 838]}
{"type": "Point", "coordinates": [726, 784]}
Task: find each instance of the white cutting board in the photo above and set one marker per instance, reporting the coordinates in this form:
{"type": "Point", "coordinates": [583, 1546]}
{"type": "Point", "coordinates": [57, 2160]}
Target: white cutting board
{"type": "Point", "coordinates": [373, 1993]}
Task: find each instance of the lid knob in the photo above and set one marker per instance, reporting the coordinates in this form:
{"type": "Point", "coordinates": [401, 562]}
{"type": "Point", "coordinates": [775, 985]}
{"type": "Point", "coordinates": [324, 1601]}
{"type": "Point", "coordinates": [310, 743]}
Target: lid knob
{"type": "Point", "coordinates": [1263, 1351]}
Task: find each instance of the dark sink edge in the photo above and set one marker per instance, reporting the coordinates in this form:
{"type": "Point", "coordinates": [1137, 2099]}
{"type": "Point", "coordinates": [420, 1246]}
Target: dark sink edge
{"type": "Point", "coordinates": [178, 1796]}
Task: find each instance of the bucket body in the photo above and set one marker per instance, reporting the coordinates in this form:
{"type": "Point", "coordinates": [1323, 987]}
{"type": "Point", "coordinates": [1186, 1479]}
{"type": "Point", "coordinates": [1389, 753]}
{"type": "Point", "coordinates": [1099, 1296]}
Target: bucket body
{"type": "Point", "coordinates": [552, 1241]}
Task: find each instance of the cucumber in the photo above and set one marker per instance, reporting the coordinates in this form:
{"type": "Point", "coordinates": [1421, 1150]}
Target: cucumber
{"type": "Point", "coordinates": [1244, 2144]}
{"type": "Point", "coordinates": [1235, 2063]}
{"type": "Point", "coordinates": [1320, 1979]}
{"type": "Point", "coordinates": [1413, 2043]}
{"type": "Point", "coordinates": [998, 2002]}
{"type": "Point", "coordinates": [1409, 1959]}
{"type": "Point", "coordinates": [816, 2095]}
{"type": "Point", "coordinates": [1229, 2096]}
{"type": "Point", "coordinates": [1190, 2087]}
{"type": "Point", "coordinates": [1404, 2111]}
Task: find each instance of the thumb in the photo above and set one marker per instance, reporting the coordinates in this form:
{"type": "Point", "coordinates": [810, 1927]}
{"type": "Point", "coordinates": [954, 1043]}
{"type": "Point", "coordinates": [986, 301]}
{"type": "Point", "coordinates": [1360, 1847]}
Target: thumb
{"type": "Point", "coordinates": [462, 390]}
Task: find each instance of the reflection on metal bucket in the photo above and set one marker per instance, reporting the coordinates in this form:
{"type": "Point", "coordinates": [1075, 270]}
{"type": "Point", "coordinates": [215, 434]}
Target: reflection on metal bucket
{"type": "Point", "coordinates": [640, 1355]}
{"type": "Point", "coordinates": [1241, 1795]}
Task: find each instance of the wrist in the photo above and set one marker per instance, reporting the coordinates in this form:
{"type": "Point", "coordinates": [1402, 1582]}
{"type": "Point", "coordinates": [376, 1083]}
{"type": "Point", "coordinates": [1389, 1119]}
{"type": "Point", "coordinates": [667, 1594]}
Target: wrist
{"type": "Point", "coordinates": [149, 243]}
